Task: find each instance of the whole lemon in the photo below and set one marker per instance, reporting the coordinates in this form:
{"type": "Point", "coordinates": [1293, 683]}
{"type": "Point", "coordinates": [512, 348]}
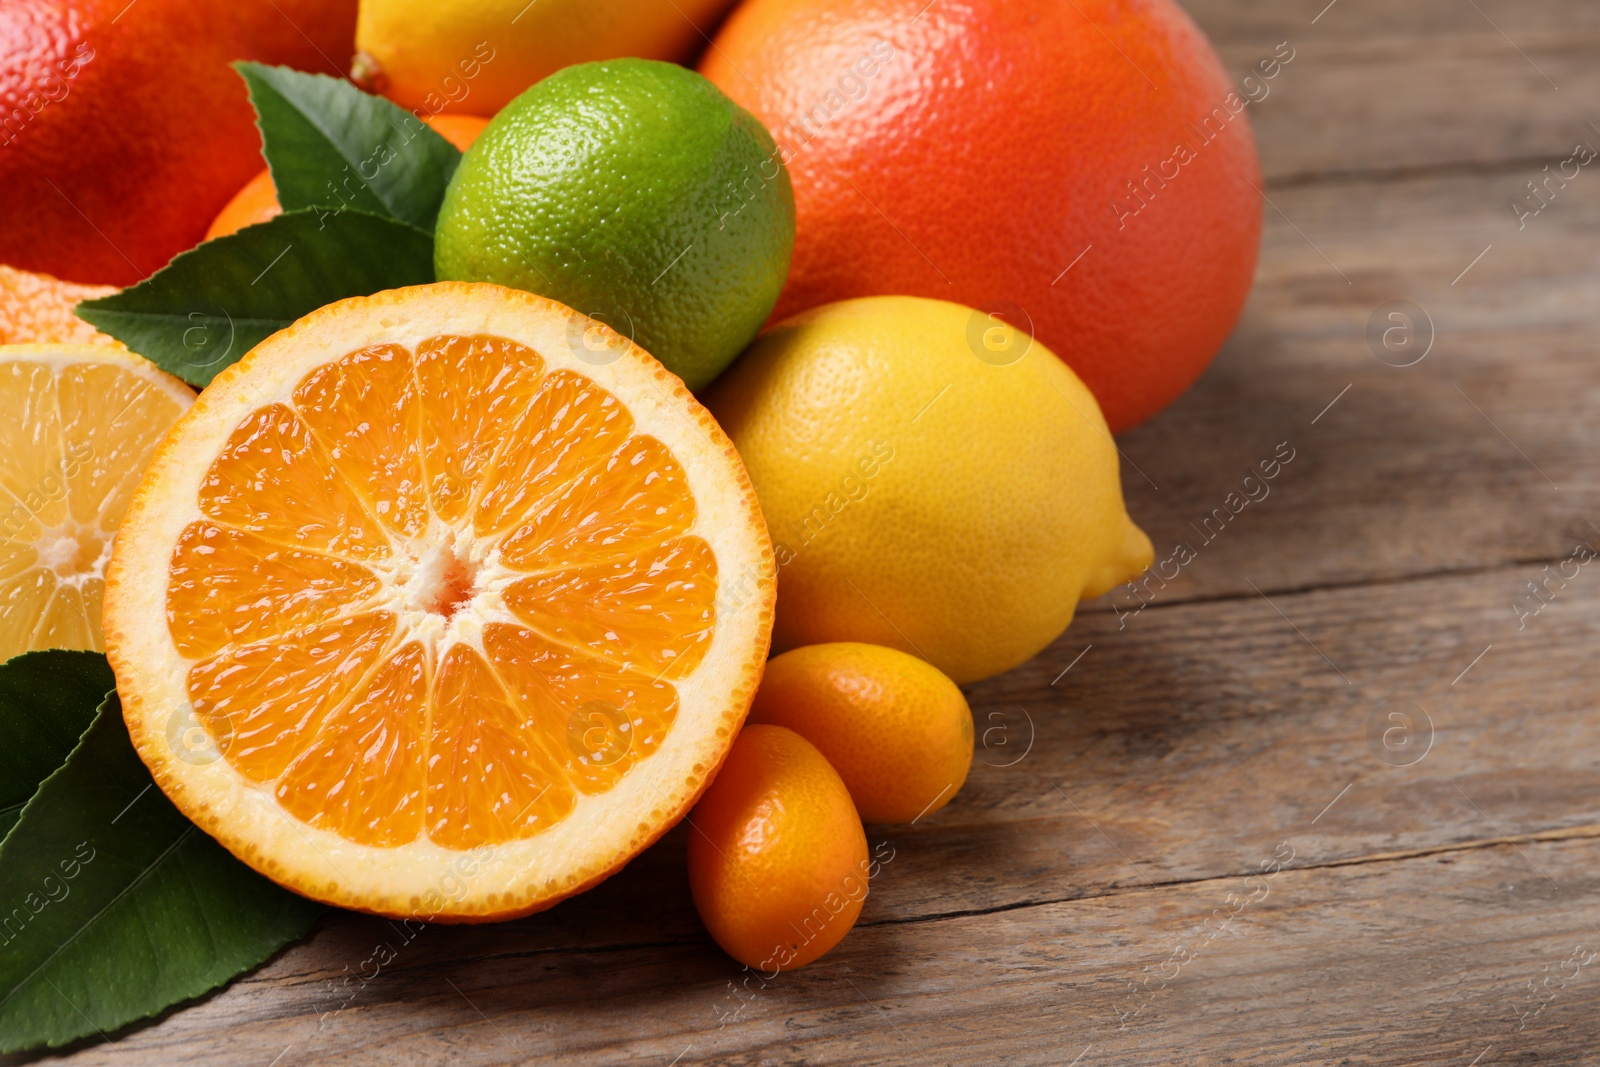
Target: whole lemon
{"type": "Point", "coordinates": [933, 479]}
{"type": "Point", "coordinates": [898, 732]}
{"type": "Point", "coordinates": [471, 57]}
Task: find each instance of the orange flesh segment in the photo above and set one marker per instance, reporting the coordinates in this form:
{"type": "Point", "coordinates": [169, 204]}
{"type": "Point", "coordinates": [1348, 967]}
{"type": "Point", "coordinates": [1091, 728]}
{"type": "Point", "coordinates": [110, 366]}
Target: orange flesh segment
{"type": "Point", "coordinates": [379, 801]}
{"type": "Point", "coordinates": [651, 613]}
{"type": "Point", "coordinates": [254, 699]}
{"type": "Point", "coordinates": [274, 480]}
{"type": "Point", "coordinates": [229, 587]}
{"type": "Point", "coordinates": [482, 741]}
{"type": "Point", "coordinates": [570, 426]}
{"type": "Point", "coordinates": [348, 651]}
{"type": "Point", "coordinates": [472, 390]}
{"type": "Point", "coordinates": [617, 718]}
{"type": "Point", "coordinates": [381, 458]}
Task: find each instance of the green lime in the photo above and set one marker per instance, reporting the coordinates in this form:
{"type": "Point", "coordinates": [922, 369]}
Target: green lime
{"type": "Point", "coordinates": [636, 193]}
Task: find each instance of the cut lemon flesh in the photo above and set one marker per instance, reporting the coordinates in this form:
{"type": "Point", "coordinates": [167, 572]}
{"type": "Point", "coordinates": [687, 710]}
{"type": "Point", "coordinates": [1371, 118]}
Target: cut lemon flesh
{"type": "Point", "coordinates": [80, 423]}
{"type": "Point", "coordinates": [415, 591]}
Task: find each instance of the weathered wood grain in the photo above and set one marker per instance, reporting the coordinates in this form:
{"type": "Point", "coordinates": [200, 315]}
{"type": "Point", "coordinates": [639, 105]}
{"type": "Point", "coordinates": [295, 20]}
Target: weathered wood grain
{"type": "Point", "coordinates": [1425, 959]}
{"type": "Point", "coordinates": [1382, 87]}
{"type": "Point", "coordinates": [1481, 454]}
{"type": "Point", "coordinates": [1413, 95]}
{"type": "Point", "coordinates": [1180, 749]}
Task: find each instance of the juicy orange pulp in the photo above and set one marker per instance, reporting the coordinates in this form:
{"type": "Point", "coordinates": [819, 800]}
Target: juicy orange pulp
{"type": "Point", "coordinates": [409, 617]}
{"type": "Point", "coordinates": [79, 424]}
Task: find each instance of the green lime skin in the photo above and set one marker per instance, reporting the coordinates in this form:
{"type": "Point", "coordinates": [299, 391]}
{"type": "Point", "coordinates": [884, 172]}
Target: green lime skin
{"type": "Point", "coordinates": [635, 192]}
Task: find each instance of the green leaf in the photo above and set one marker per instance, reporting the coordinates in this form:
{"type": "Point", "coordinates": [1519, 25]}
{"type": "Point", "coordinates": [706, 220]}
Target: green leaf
{"type": "Point", "coordinates": [212, 304]}
{"type": "Point", "coordinates": [329, 144]}
{"type": "Point", "coordinates": [47, 701]}
{"type": "Point", "coordinates": [113, 906]}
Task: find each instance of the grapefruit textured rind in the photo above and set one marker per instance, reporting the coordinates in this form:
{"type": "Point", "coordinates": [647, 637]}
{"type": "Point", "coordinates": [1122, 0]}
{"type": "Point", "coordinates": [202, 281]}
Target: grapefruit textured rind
{"type": "Point", "coordinates": [423, 879]}
{"type": "Point", "coordinates": [127, 130]}
{"type": "Point", "coordinates": [1084, 170]}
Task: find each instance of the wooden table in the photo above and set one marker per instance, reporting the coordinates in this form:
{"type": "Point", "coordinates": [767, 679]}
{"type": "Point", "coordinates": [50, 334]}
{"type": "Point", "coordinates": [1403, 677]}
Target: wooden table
{"type": "Point", "coordinates": [1350, 694]}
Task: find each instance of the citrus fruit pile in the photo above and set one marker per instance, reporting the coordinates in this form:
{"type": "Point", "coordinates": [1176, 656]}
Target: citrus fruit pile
{"type": "Point", "coordinates": [548, 386]}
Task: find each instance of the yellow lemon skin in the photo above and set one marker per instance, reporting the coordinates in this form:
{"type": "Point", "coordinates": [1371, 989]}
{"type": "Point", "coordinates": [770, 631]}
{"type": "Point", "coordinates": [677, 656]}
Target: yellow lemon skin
{"type": "Point", "coordinates": [471, 57]}
{"type": "Point", "coordinates": [933, 480]}
{"type": "Point", "coordinates": [898, 732]}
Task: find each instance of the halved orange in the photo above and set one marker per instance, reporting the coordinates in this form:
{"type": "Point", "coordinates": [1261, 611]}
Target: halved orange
{"type": "Point", "coordinates": [80, 423]}
{"type": "Point", "coordinates": [443, 602]}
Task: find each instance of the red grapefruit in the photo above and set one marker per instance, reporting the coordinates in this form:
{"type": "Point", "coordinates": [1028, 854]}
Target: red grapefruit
{"type": "Point", "coordinates": [123, 131]}
{"type": "Point", "coordinates": [1086, 169]}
